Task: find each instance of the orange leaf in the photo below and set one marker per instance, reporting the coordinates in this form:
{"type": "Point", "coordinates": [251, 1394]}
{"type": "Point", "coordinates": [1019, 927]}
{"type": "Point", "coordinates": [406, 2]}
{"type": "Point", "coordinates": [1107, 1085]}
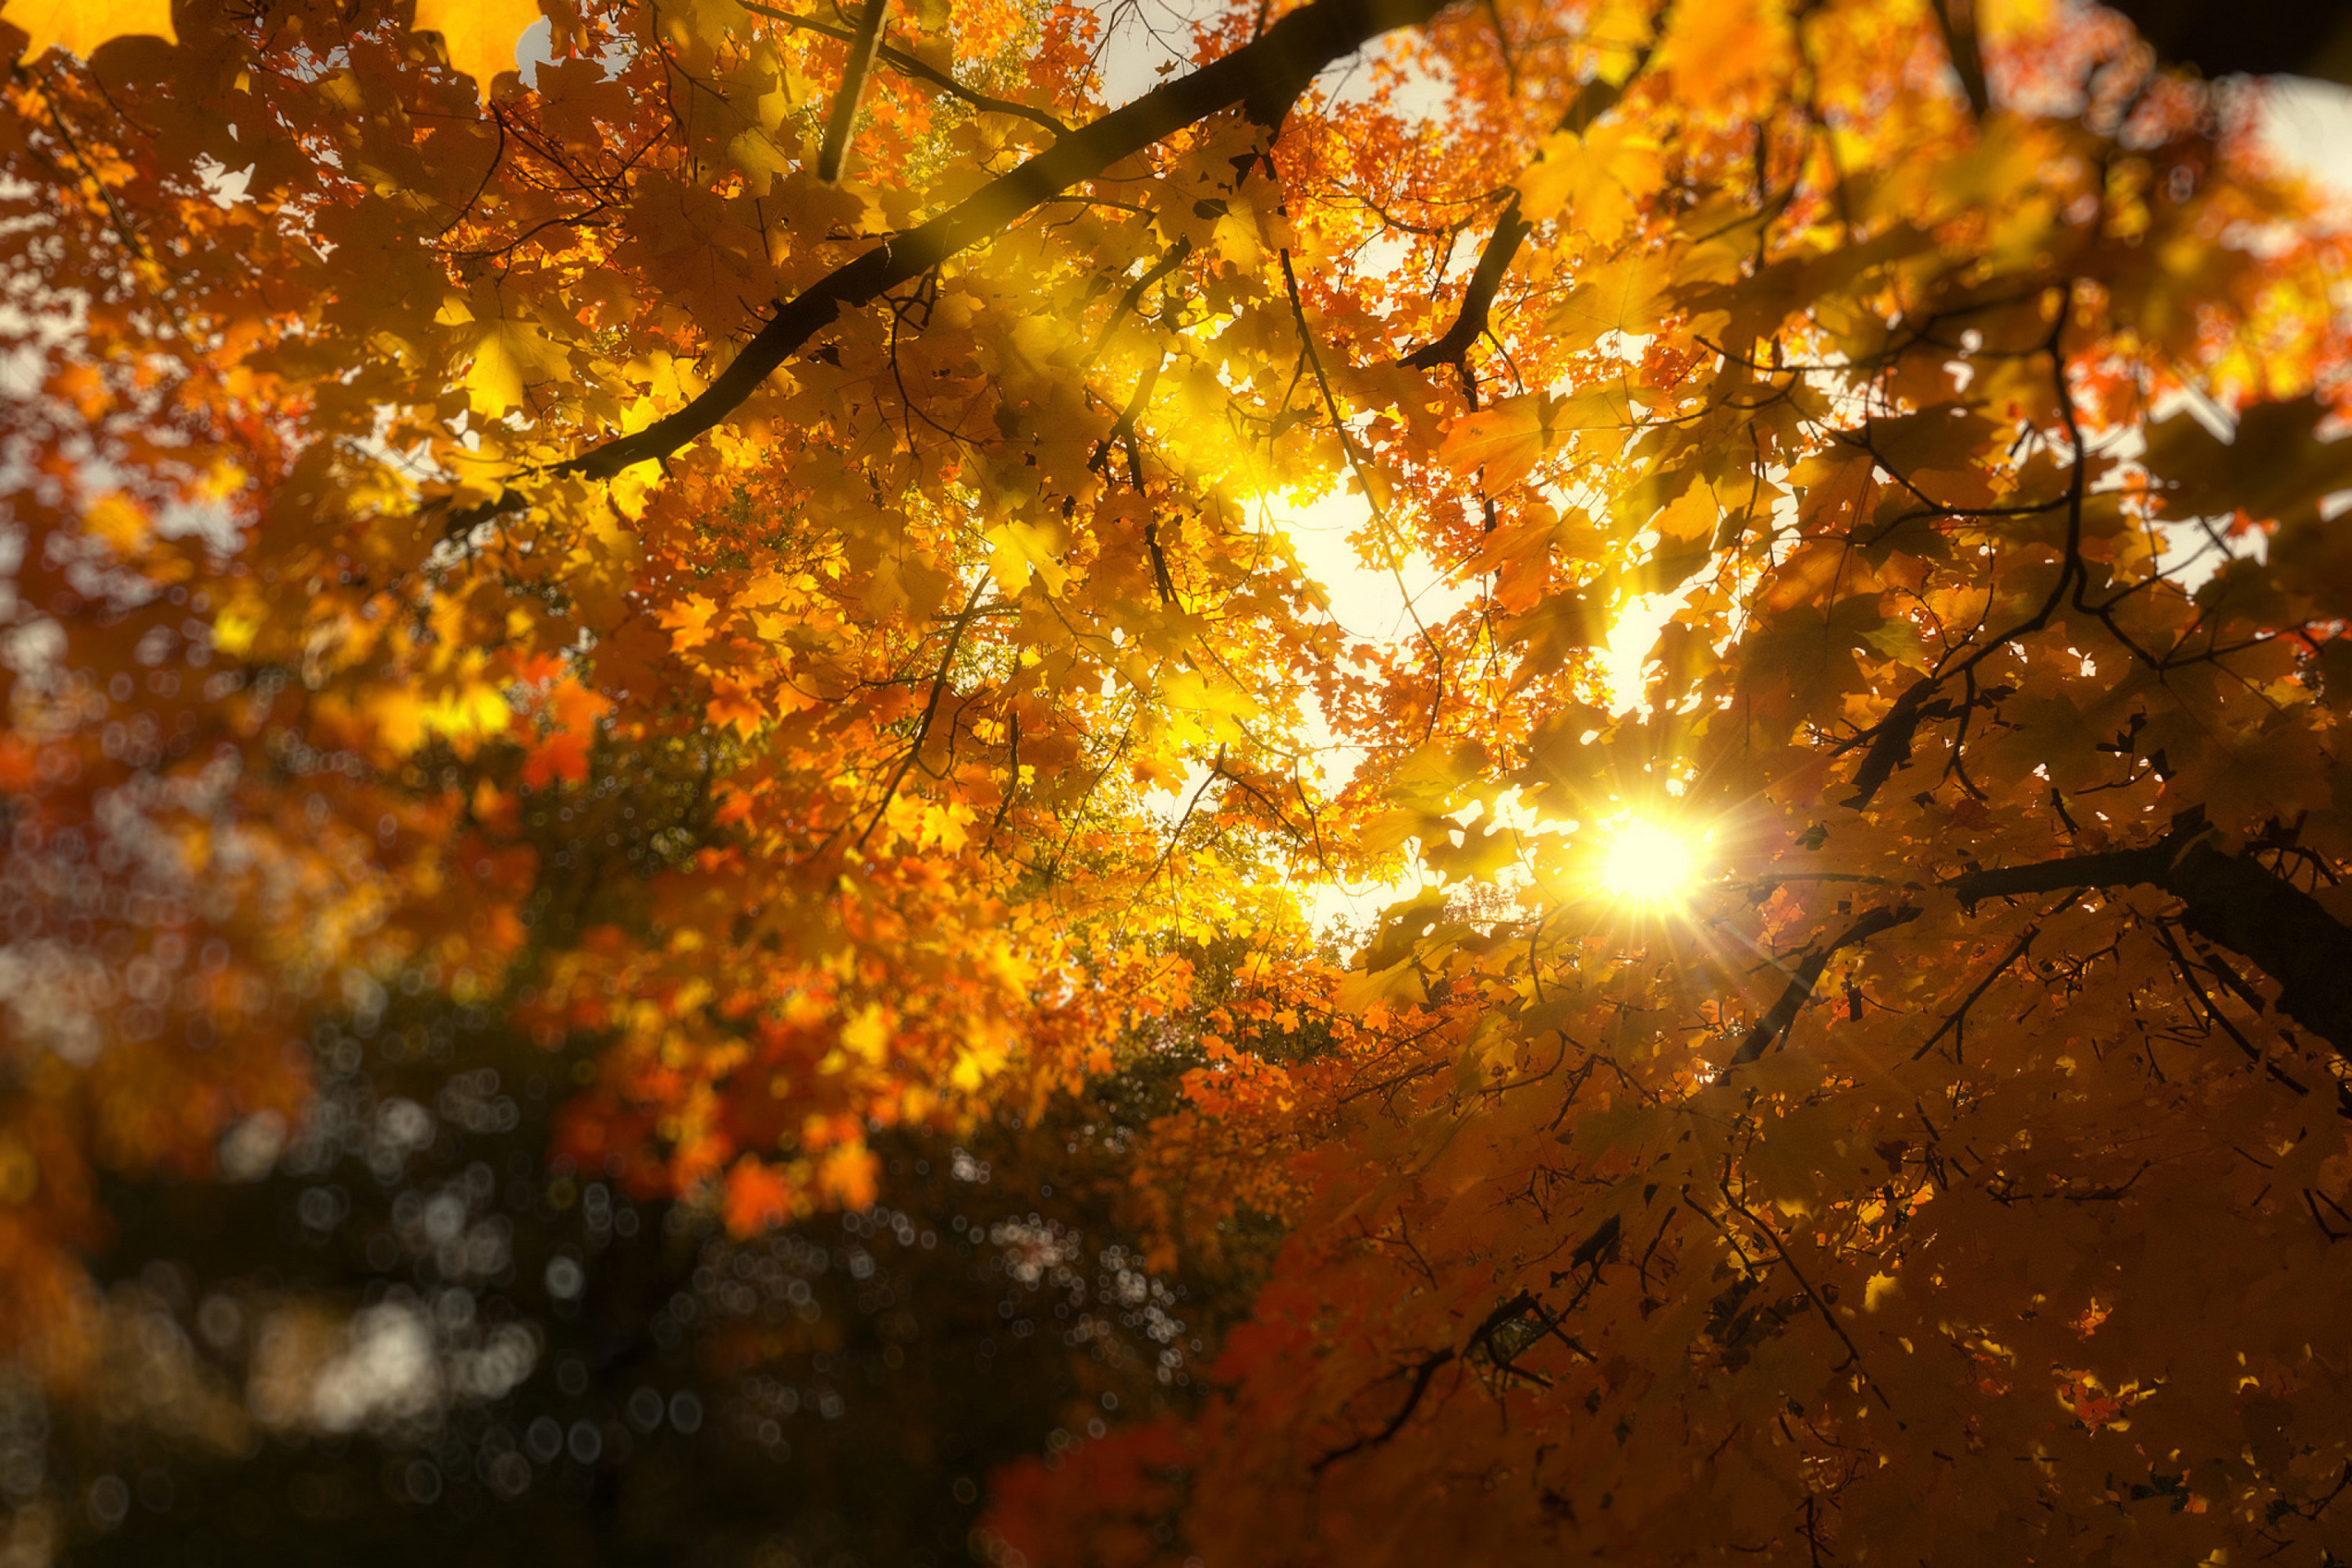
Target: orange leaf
{"type": "Point", "coordinates": [758, 1196]}
{"type": "Point", "coordinates": [562, 755]}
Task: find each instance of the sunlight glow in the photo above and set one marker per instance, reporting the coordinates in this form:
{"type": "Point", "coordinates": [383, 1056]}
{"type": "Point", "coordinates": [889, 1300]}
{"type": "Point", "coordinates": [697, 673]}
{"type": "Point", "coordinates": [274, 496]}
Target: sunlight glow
{"type": "Point", "coordinates": [1647, 864]}
{"type": "Point", "coordinates": [1625, 660]}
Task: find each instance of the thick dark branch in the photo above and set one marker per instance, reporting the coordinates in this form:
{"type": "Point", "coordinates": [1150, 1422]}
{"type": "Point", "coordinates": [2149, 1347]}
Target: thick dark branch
{"type": "Point", "coordinates": [2262, 36]}
{"type": "Point", "coordinates": [905, 64]}
{"type": "Point", "coordinates": [1958, 20]}
{"type": "Point", "coordinates": [1593, 99]}
{"type": "Point", "coordinates": [2112, 868]}
{"type": "Point", "coordinates": [1263, 78]}
{"type": "Point", "coordinates": [1890, 745]}
{"type": "Point", "coordinates": [1601, 1244]}
{"type": "Point", "coordinates": [1776, 1023]}
{"type": "Point", "coordinates": [1511, 231]}
{"type": "Point", "coordinates": [2230, 901]}
{"type": "Point", "coordinates": [854, 72]}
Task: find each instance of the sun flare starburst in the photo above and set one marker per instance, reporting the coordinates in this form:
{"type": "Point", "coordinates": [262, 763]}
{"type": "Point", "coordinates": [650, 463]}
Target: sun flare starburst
{"type": "Point", "coordinates": [1646, 864]}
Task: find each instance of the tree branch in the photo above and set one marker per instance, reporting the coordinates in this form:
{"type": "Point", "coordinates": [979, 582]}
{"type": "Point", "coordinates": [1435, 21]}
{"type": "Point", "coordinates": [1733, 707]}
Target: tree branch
{"type": "Point", "coordinates": [1511, 231]}
{"type": "Point", "coordinates": [1421, 1375]}
{"type": "Point", "coordinates": [930, 711]}
{"type": "Point", "coordinates": [905, 64]}
{"type": "Point", "coordinates": [2230, 901]}
{"type": "Point", "coordinates": [1776, 1023]}
{"type": "Point", "coordinates": [1958, 20]}
{"type": "Point", "coordinates": [1263, 78]}
{"type": "Point", "coordinates": [1593, 99]}
{"type": "Point", "coordinates": [2264, 36]}
{"type": "Point", "coordinates": [854, 72]}
{"type": "Point", "coordinates": [1126, 301]}
{"type": "Point", "coordinates": [1958, 1018]}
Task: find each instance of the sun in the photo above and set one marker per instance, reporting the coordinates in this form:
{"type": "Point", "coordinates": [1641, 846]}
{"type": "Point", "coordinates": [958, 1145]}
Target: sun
{"type": "Point", "coordinates": [1646, 864]}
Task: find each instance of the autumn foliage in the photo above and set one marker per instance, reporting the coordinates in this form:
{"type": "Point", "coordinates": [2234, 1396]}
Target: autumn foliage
{"type": "Point", "coordinates": [835, 656]}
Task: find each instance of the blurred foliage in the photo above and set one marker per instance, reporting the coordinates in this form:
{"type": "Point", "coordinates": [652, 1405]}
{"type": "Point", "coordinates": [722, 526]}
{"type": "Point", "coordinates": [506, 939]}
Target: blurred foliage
{"type": "Point", "coordinates": [405, 1336]}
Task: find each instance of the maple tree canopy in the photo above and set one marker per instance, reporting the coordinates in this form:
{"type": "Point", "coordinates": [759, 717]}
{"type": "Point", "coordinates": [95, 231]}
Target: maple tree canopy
{"type": "Point", "coordinates": [735, 606]}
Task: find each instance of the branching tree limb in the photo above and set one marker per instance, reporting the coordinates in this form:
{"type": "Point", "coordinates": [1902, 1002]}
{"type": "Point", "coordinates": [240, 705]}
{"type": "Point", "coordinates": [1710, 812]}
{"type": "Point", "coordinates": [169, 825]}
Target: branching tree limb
{"type": "Point", "coordinates": [2230, 901]}
{"type": "Point", "coordinates": [1890, 745]}
{"type": "Point", "coordinates": [854, 72]}
{"type": "Point", "coordinates": [1593, 99]}
{"type": "Point", "coordinates": [1135, 292]}
{"type": "Point", "coordinates": [1776, 1023]}
{"type": "Point", "coordinates": [1956, 1020]}
{"type": "Point", "coordinates": [1263, 78]}
{"type": "Point", "coordinates": [1958, 20]}
{"type": "Point", "coordinates": [921, 70]}
{"type": "Point", "coordinates": [1502, 246]}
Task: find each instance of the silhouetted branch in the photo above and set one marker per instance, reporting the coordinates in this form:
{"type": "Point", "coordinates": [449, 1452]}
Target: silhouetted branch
{"type": "Point", "coordinates": [2230, 901]}
{"type": "Point", "coordinates": [905, 64]}
{"type": "Point", "coordinates": [1502, 246]}
{"type": "Point", "coordinates": [1776, 1022]}
{"type": "Point", "coordinates": [854, 72]}
{"type": "Point", "coordinates": [1958, 20]}
{"type": "Point", "coordinates": [1263, 79]}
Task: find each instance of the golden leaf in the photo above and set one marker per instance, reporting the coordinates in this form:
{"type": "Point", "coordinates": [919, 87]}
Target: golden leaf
{"type": "Point", "coordinates": [1507, 440]}
{"type": "Point", "coordinates": [78, 26]}
{"type": "Point", "coordinates": [481, 34]}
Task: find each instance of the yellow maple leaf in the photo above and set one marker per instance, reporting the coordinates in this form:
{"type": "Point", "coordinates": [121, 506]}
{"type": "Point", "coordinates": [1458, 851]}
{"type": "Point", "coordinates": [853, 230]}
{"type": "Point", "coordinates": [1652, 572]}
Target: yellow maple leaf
{"type": "Point", "coordinates": [1600, 176]}
{"type": "Point", "coordinates": [508, 354]}
{"type": "Point", "coordinates": [481, 34]}
{"type": "Point", "coordinates": [867, 1035]}
{"type": "Point", "coordinates": [78, 26]}
{"type": "Point", "coordinates": [1507, 440]}
{"type": "Point", "coordinates": [1721, 52]}
{"type": "Point", "coordinates": [1020, 550]}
